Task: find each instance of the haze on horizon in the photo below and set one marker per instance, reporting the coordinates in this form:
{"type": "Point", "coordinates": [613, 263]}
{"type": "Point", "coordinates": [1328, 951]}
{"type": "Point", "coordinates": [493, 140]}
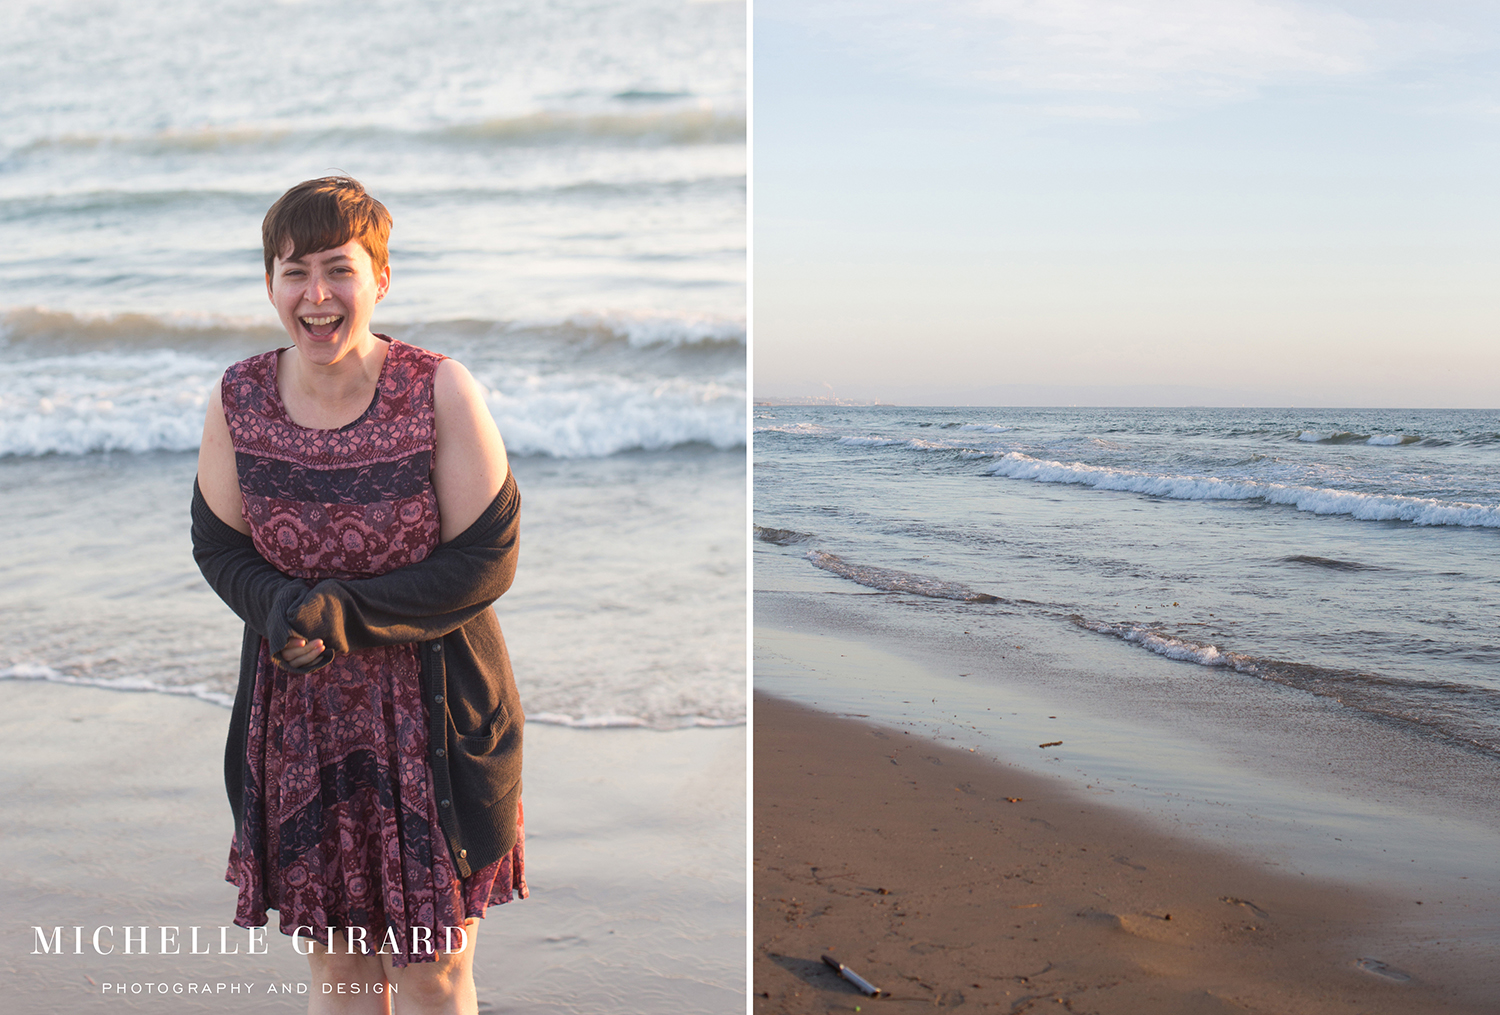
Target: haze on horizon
{"type": "Point", "coordinates": [1142, 202]}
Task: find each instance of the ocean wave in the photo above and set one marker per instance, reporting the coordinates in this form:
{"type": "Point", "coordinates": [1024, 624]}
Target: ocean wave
{"type": "Point", "coordinates": [686, 124]}
{"type": "Point", "coordinates": [1321, 501]}
{"type": "Point", "coordinates": [792, 429]}
{"type": "Point", "coordinates": [139, 401]}
{"type": "Point", "coordinates": [35, 671]}
{"type": "Point", "coordinates": [205, 692]}
{"type": "Point", "coordinates": [610, 722]}
{"type": "Point", "coordinates": [781, 537]}
{"type": "Point", "coordinates": [869, 442]}
{"type": "Point", "coordinates": [593, 416]}
{"type": "Point", "coordinates": [41, 329]}
{"type": "Point", "coordinates": [1461, 713]}
{"type": "Point", "coordinates": [1350, 437]}
{"type": "Point", "coordinates": [1329, 564]}
{"type": "Point", "coordinates": [44, 330]}
{"type": "Point", "coordinates": [1331, 436]}
{"type": "Point", "coordinates": [888, 580]}
{"type": "Point", "coordinates": [644, 330]}
{"type": "Point", "coordinates": [105, 401]}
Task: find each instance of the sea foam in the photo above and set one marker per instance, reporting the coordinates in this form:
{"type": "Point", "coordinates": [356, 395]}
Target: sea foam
{"type": "Point", "coordinates": [1321, 501]}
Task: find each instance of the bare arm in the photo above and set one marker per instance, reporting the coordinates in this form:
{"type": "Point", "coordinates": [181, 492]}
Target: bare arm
{"type": "Point", "coordinates": [218, 479]}
{"type": "Point", "coordinates": [219, 483]}
{"type": "Point", "coordinates": [469, 464]}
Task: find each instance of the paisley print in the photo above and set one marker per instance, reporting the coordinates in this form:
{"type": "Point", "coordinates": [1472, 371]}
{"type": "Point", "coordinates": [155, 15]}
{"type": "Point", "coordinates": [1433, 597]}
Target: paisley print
{"type": "Point", "coordinates": [341, 826]}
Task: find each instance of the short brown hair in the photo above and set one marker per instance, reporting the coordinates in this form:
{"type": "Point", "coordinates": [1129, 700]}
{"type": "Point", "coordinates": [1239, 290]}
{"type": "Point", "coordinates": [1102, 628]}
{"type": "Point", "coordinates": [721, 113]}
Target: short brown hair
{"type": "Point", "coordinates": [325, 213]}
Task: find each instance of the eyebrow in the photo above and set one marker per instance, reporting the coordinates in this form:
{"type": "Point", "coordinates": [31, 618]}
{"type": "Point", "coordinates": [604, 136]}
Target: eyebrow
{"type": "Point", "coordinates": [303, 259]}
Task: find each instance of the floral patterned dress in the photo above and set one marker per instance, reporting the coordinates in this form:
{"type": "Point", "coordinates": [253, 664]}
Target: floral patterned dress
{"type": "Point", "coordinates": [340, 824]}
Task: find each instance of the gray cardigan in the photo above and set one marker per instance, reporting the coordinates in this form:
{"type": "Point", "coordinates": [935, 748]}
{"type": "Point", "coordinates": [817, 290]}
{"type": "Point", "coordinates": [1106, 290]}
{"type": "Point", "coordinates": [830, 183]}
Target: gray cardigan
{"type": "Point", "coordinates": [443, 604]}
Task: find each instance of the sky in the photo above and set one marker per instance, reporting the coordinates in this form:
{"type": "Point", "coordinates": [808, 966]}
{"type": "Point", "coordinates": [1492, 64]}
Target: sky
{"type": "Point", "coordinates": [1127, 202]}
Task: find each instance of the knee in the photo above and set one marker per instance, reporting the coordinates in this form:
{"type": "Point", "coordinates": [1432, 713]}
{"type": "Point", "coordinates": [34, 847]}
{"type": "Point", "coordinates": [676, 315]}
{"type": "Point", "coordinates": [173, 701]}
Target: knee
{"type": "Point", "coordinates": [445, 984]}
{"type": "Point", "coordinates": [437, 984]}
{"type": "Point", "coordinates": [338, 966]}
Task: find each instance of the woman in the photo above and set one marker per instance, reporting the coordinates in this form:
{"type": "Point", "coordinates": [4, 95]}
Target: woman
{"type": "Point", "coordinates": [355, 508]}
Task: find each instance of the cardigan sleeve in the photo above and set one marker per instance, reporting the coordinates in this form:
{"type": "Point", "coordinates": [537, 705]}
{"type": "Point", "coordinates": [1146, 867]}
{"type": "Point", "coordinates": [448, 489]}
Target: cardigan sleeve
{"type": "Point", "coordinates": [424, 600]}
{"type": "Point", "coordinates": [250, 585]}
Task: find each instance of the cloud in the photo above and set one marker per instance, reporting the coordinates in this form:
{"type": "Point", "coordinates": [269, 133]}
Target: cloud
{"type": "Point", "coordinates": [1115, 56]}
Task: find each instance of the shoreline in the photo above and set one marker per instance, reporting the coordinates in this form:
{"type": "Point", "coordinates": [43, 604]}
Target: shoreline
{"type": "Point", "coordinates": [950, 878]}
{"type": "Point", "coordinates": [1255, 768]}
{"type": "Point", "coordinates": [113, 814]}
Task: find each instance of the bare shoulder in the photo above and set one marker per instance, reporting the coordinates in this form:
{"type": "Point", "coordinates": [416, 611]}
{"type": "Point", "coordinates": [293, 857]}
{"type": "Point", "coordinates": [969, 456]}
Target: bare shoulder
{"type": "Point", "coordinates": [218, 478]}
{"type": "Point", "coordinates": [469, 464]}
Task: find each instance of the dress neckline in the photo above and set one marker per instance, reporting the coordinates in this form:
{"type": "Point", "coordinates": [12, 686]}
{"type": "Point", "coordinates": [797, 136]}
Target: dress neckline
{"type": "Point", "coordinates": [280, 406]}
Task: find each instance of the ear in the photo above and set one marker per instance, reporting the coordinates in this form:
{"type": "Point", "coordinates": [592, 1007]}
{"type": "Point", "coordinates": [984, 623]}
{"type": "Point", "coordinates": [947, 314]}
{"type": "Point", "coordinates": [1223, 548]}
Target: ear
{"type": "Point", "coordinates": [383, 282]}
{"type": "Point", "coordinates": [269, 294]}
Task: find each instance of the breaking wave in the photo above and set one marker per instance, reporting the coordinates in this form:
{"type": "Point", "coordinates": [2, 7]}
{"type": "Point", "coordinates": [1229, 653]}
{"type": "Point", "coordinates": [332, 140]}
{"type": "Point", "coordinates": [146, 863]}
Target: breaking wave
{"type": "Point", "coordinates": [781, 537]}
{"type": "Point", "coordinates": [1459, 713]}
{"type": "Point", "coordinates": [888, 580]}
{"type": "Point", "coordinates": [1363, 506]}
{"type": "Point", "coordinates": [137, 383]}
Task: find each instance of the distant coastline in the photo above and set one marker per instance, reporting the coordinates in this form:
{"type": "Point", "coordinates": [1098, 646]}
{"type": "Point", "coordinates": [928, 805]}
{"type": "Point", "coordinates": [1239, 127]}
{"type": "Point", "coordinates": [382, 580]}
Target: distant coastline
{"type": "Point", "coordinates": [820, 400]}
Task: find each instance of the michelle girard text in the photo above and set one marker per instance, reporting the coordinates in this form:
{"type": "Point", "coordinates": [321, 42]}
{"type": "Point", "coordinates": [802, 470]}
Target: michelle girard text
{"type": "Point", "coordinates": [237, 941]}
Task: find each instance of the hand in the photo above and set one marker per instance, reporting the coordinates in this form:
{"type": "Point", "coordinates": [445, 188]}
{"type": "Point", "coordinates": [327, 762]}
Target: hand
{"type": "Point", "coordinates": [298, 652]}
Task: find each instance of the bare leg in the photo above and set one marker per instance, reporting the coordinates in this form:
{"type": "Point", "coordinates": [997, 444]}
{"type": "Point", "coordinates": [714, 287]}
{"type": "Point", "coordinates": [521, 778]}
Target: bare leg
{"type": "Point", "coordinates": [361, 977]}
{"type": "Point", "coordinates": [443, 987]}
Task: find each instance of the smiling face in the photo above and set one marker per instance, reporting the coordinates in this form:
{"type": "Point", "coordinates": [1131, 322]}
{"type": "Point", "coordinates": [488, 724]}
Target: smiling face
{"type": "Point", "coordinates": [325, 299]}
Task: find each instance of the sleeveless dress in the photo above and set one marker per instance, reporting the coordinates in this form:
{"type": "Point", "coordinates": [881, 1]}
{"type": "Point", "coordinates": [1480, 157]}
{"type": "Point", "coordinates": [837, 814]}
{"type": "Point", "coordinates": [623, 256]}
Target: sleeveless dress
{"type": "Point", "coordinates": [340, 823]}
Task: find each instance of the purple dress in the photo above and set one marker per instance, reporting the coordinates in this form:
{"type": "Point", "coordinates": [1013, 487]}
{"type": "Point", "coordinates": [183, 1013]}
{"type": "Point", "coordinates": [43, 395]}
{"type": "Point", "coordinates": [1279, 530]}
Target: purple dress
{"type": "Point", "coordinates": [340, 823]}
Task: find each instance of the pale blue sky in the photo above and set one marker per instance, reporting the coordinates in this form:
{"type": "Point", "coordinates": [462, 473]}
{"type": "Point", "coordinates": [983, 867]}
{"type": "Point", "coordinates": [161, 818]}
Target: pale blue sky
{"type": "Point", "coordinates": [1135, 202]}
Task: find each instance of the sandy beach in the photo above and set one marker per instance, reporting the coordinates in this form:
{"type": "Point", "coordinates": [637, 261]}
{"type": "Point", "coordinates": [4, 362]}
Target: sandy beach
{"type": "Point", "coordinates": [112, 814]}
{"type": "Point", "coordinates": [950, 879]}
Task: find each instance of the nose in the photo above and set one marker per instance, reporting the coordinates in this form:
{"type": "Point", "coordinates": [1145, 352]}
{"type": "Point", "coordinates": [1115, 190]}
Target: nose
{"type": "Point", "coordinates": [317, 288]}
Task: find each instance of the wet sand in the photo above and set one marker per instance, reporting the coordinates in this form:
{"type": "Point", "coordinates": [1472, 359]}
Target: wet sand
{"type": "Point", "coordinates": [112, 813]}
{"type": "Point", "coordinates": [952, 880]}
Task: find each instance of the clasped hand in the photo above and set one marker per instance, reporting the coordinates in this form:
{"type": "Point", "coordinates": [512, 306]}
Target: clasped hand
{"type": "Point", "coordinates": [298, 652]}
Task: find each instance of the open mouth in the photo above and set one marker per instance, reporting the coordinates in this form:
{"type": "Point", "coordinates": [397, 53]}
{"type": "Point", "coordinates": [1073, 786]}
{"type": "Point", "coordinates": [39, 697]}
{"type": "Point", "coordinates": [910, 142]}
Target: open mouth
{"type": "Point", "coordinates": [321, 327]}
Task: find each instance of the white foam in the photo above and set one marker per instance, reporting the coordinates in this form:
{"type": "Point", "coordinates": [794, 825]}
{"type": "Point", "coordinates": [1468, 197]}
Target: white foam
{"type": "Point", "coordinates": [155, 400]}
{"type": "Point", "coordinates": [1164, 644]}
{"type": "Point", "coordinates": [889, 580]}
{"type": "Point", "coordinates": [643, 329]}
{"type": "Point", "coordinates": [105, 401]}
{"type": "Point", "coordinates": [869, 442]}
{"type": "Point", "coordinates": [625, 721]}
{"type": "Point", "coordinates": [593, 416]}
{"type": "Point", "coordinates": [1363, 506]}
{"type": "Point", "coordinates": [799, 429]}
{"type": "Point", "coordinates": [35, 671]}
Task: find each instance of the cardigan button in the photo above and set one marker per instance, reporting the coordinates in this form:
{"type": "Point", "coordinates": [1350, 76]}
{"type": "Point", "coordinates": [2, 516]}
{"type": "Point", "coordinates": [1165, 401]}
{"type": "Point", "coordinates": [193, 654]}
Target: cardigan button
{"type": "Point", "coordinates": [463, 854]}
{"type": "Point", "coordinates": [437, 699]}
{"type": "Point", "coordinates": [440, 753]}
{"type": "Point", "coordinates": [442, 803]}
{"type": "Point", "coordinates": [437, 648]}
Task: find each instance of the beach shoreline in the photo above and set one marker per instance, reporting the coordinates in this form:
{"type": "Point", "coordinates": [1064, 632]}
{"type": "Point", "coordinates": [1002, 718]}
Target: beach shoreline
{"type": "Point", "coordinates": [949, 878]}
{"type": "Point", "coordinates": [113, 814]}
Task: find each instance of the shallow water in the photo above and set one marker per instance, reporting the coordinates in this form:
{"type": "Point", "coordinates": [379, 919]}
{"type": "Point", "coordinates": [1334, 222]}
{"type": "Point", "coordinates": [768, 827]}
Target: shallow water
{"type": "Point", "coordinates": [1220, 613]}
{"type": "Point", "coordinates": [1349, 555]}
{"type": "Point", "coordinates": [567, 182]}
{"type": "Point", "coordinates": [609, 622]}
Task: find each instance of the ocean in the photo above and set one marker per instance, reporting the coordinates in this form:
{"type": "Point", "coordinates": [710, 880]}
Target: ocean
{"type": "Point", "coordinates": [568, 187]}
{"type": "Point", "coordinates": [1270, 625]}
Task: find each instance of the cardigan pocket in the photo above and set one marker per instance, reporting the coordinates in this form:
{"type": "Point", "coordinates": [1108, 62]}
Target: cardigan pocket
{"type": "Point", "coordinates": [484, 740]}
